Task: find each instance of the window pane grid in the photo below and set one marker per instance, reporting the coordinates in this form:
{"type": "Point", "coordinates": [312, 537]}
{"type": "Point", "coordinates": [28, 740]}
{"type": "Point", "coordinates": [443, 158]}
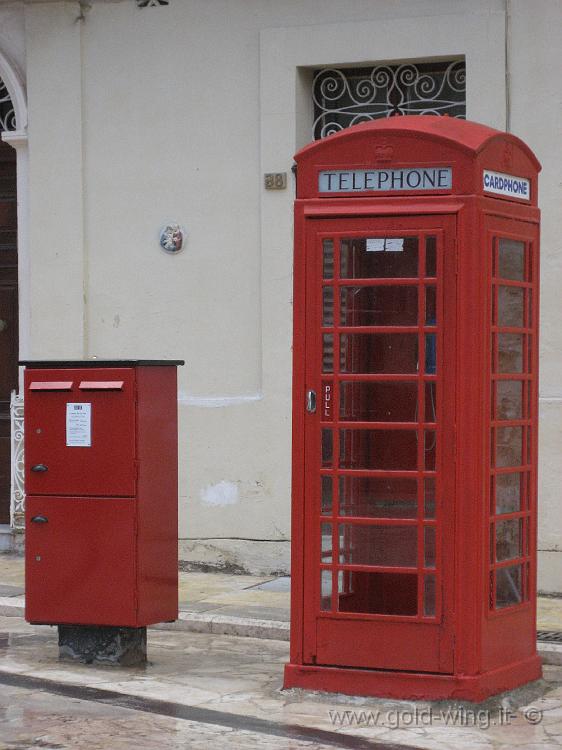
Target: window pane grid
{"type": "Point", "coordinates": [425, 572]}
{"type": "Point", "coordinates": [511, 422]}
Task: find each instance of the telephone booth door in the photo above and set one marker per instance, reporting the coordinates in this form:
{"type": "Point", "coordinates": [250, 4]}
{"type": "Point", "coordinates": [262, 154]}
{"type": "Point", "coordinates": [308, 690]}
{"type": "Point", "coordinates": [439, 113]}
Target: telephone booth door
{"type": "Point", "coordinates": [379, 506]}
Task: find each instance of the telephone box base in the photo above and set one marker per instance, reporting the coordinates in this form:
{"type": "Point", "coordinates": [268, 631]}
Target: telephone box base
{"type": "Point", "coordinates": [102, 645]}
{"type": "Point", "coordinates": [412, 686]}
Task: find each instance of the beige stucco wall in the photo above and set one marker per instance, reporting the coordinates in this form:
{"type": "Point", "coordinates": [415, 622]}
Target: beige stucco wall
{"type": "Point", "coordinates": [138, 117]}
{"type": "Point", "coordinates": [536, 116]}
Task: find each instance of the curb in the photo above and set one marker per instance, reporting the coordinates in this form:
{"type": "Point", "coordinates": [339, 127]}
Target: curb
{"type": "Point", "coordinates": [189, 622]}
{"type": "Point", "coordinates": [245, 627]}
{"type": "Point", "coordinates": [248, 627]}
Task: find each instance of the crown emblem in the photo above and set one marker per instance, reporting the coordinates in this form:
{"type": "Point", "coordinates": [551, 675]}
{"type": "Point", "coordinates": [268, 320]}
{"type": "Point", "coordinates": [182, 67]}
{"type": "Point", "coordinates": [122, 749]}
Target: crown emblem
{"type": "Point", "coordinates": [384, 152]}
{"type": "Point", "coordinates": [507, 156]}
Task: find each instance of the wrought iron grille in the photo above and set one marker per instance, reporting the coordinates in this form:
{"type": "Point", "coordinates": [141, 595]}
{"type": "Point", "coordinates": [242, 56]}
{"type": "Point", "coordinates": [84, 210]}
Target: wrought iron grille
{"type": "Point", "coordinates": [7, 113]}
{"type": "Point", "coordinates": [346, 96]}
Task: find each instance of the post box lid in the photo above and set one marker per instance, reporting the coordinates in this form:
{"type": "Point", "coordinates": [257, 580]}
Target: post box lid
{"type": "Point", "coordinates": [83, 363]}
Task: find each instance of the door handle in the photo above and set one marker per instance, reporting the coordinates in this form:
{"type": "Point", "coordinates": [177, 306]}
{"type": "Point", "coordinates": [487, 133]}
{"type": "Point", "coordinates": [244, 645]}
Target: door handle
{"type": "Point", "coordinates": [40, 519]}
{"type": "Point", "coordinates": [39, 467]}
{"type": "Point", "coordinates": [311, 401]}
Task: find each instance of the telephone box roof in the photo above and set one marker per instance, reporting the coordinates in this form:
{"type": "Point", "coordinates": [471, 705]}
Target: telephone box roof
{"type": "Point", "coordinates": [468, 136]}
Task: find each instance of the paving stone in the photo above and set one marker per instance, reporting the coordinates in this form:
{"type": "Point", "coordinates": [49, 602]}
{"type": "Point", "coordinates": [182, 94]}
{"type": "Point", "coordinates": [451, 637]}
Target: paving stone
{"type": "Point", "coordinates": [6, 590]}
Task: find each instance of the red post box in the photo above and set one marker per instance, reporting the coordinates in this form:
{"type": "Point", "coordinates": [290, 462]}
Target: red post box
{"type": "Point", "coordinates": [415, 411]}
{"type": "Point", "coordinates": [101, 485]}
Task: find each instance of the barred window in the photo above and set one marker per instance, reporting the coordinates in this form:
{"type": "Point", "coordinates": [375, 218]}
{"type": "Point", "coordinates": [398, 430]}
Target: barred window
{"type": "Point", "coordinates": [346, 96]}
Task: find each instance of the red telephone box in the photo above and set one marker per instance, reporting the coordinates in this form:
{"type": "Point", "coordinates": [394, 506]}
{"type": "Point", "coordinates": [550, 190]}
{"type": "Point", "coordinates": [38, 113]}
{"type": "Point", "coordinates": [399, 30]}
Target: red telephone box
{"type": "Point", "coordinates": [415, 411]}
{"type": "Point", "coordinates": [101, 485]}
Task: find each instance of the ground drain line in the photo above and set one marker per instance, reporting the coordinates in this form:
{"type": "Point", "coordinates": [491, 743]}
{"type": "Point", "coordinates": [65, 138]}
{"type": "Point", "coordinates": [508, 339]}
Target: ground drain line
{"type": "Point", "coordinates": [195, 713]}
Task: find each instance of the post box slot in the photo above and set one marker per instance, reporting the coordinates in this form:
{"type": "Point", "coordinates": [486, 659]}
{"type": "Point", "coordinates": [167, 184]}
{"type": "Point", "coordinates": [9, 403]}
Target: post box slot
{"type": "Point", "coordinates": [51, 385]}
{"type": "Point", "coordinates": [101, 385]}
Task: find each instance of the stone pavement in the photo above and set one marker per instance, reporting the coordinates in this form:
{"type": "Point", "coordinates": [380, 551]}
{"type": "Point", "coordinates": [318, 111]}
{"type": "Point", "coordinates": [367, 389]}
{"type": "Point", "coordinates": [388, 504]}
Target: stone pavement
{"type": "Point", "coordinates": [225, 691]}
{"type": "Point", "coordinates": [204, 685]}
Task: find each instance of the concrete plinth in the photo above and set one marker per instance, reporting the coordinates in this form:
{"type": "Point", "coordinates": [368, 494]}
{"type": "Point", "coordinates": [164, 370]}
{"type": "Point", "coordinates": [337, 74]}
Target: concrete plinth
{"type": "Point", "coordinates": [92, 644]}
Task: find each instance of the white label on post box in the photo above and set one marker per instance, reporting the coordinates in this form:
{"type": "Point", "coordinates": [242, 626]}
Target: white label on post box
{"type": "Point", "coordinates": [79, 425]}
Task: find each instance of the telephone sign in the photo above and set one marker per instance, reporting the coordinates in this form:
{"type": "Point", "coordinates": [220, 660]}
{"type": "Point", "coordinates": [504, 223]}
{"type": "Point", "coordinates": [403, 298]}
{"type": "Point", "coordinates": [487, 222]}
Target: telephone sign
{"type": "Point", "coordinates": [379, 180]}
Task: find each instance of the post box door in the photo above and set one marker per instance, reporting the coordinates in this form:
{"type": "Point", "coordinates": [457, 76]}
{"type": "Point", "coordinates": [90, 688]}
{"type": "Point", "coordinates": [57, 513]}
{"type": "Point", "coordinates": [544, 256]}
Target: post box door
{"type": "Point", "coordinates": [80, 432]}
{"type": "Point", "coordinates": [80, 560]}
{"type": "Point", "coordinates": [379, 442]}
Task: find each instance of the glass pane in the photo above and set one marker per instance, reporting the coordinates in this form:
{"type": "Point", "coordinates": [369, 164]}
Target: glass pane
{"type": "Point", "coordinates": [380, 594]}
{"type": "Point", "coordinates": [430, 402]}
{"type": "Point", "coordinates": [430, 306]}
{"type": "Point", "coordinates": [375, 497]}
{"type": "Point", "coordinates": [429, 596]}
{"type": "Point", "coordinates": [429, 497]}
{"type": "Point", "coordinates": [509, 399]}
{"type": "Point", "coordinates": [379, 306]}
{"type": "Point", "coordinates": [344, 581]}
{"type": "Point", "coordinates": [529, 400]}
{"type": "Point", "coordinates": [509, 446]}
{"type": "Point", "coordinates": [509, 492]}
{"type": "Point", "coordinates": [328, 306]}
{"type": "Point", "coordinates": [378, 545]}
{"type": "Point", "coordinates": [327, 448]}
{"type": "Point", "coordinates": [328, 258]}
{"type": "Point", "coordinates": [431, 256]}
{"type": "Point", "coordinates": [378, 402]}
{"type": "Point", "coordinates": [326, 542]}
{"type": "Point", "coordinates": [388, 450]}
{"type": "Point", "coordinates": [509, 539]}
{"type": "Point", "coordinates": [326, 590]}
{"type": "Point", "coordinates": [511, 259]}
{"type": "Point", "coordinates": [379, 352]}
{"type": "Point", "coordinates": [429, 549]}
{"type": "Point", "coordinates": [430, 354]}
{"type": "Point", "coordinates": [328, 352]}
{"type": "Point", "coordinates": [510, 306]}
{"type": "Point", "coordinates": [379, 257]}
{"type": "Point", "coordinates": [327, 496]}
{"type": "Point", "coordinates": [510, 352]}
{"type": "Point", "coordinates": [508, 586]}
{"type": "Point", "coordinates": [430, 444]}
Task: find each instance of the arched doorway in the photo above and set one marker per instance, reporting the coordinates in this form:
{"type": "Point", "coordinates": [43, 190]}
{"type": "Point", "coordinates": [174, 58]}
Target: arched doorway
{"type": "Point", "coordinates": [8, 315]}
{"type": "Point", "coordinates": [13, 283]}
{"type": "Point", "coordinates": [8, 296]}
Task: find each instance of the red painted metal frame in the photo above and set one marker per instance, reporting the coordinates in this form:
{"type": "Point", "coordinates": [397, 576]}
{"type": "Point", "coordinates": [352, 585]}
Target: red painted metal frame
{"type": "Point", "coordinates": [104, 556]}
{"type": "Point", "coordinates": [494, 649]}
